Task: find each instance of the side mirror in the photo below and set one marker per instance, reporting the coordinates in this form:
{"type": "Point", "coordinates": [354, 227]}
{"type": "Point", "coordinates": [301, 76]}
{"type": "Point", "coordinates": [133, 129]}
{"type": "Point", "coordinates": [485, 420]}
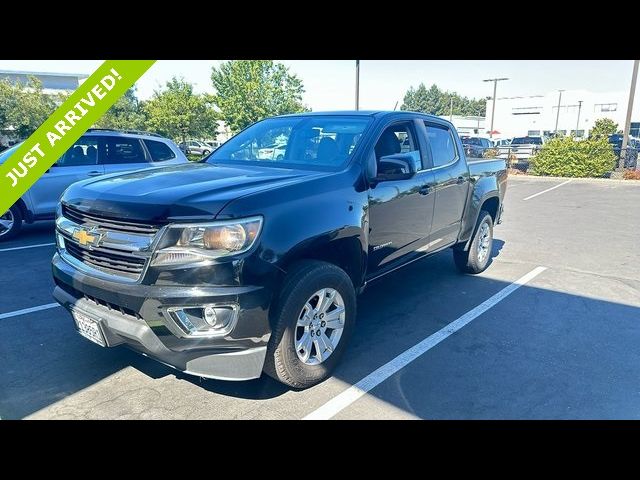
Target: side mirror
{"type": "Point", "coordinates": [400, 166]}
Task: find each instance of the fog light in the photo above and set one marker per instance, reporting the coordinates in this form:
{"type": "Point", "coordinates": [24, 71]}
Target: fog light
{"type": "Point", "coordinates": [210, 316]}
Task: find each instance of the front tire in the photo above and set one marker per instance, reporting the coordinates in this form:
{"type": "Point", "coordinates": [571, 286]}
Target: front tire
{"type": "Point", "coordinates": [313, 319]}
{"type": "Point", "coordinates": [478, 257]}
{"type": "Point", "coordinates": [10, 223]}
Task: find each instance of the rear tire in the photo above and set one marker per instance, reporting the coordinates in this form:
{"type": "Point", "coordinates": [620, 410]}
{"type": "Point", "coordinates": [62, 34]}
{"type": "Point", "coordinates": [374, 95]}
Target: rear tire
{"type": "Point", "coordinates": [10, 223]}
{"type": "Point", "coordinates": [285, 359]}
{"type": "Point", "coordinates": [478, 257]}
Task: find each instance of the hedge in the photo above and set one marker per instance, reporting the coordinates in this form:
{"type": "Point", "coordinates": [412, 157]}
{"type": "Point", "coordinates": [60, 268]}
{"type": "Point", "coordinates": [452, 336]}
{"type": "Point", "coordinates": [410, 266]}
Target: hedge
{"type": "Point", "coordinates": [567, 157]}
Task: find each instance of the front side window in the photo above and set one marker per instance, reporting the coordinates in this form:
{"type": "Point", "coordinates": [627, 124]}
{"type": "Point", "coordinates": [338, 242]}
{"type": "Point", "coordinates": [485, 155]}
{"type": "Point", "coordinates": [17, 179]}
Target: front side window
{"type": "Point", "coordinates": [396, 139]}
{"type": "Point", "coordinates": [123, 150]}
{"type": "Point", "coordinates": [83, 152]}
{"type": "Point", "coordinates": [159, 151]}
{"type": "Point", "coordinates": [315, 141]}
{"type": "Point", "coordinates": [440, 140]}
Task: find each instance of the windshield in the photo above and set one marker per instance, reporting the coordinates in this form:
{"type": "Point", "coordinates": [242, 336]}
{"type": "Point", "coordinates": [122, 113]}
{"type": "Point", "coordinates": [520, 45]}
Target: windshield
{"type": "Point", "coordinates": [315, 141]}
{"type": "Point", "coordinates": [7, 153]}
{"type": "Point", "coordinates": [526, 141]}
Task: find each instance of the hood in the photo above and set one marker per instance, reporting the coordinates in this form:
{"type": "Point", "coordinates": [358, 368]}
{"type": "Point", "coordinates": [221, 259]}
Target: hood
{"type": "Point", "coordinates": [175, 193]}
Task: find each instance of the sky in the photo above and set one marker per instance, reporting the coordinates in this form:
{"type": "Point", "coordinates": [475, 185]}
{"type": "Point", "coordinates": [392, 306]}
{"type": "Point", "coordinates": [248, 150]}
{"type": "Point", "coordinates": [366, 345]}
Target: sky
{"type": "Point", "coordinates": [330, 84]}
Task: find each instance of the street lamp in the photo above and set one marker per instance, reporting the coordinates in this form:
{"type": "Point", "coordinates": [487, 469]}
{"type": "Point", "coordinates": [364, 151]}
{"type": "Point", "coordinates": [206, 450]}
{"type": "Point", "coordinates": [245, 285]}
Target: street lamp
{"type": "Point", "coordinates": [357, 84]}
{"type": "Point", "coordinates": [493, 106]}
{"type": "Point", "coordinates": [578, 121]}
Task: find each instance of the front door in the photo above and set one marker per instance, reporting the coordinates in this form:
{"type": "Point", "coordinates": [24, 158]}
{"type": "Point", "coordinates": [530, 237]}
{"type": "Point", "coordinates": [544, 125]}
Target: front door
{"type": "Point", "coordinates": [400, 211]}
{"type": "Point", "coordinates": [78, 163]}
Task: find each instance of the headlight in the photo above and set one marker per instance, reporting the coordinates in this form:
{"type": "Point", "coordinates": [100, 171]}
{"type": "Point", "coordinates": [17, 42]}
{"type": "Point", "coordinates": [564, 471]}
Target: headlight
{"type": "Point", "coordinates": [194, 243]}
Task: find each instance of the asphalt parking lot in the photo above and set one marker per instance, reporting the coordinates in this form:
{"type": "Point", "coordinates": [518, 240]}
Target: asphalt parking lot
{"type": "Point", "coordinates": [562, 345]}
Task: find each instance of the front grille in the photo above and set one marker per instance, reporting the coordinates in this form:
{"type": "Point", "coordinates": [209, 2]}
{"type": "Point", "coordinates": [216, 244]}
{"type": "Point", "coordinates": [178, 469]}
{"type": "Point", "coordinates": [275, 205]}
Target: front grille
{"type": "Point", "coordinates": [107, 223]}
{"type": "Point", "coordinates": [123, 248]}
{"type": "Point", "coordinates": [107, 259]}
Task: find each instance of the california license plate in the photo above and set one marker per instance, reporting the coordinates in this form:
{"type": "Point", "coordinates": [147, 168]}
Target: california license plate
{"type": "Point", "coordinates": [88, 328]}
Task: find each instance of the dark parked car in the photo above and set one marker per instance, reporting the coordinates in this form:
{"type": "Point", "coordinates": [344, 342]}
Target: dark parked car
{"type": "Point", "coordinates": [475, 146]}
{"type": "Point", "coordinates": [239, 265]}
{"type": "Point", "coordinates": [630, 153]}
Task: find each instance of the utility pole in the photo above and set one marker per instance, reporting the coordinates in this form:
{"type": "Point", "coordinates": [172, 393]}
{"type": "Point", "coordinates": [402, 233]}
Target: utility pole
{"type": "Point", "coordinates": [632, 92]}
{"type": "Point", "coordinates": [357, 84]}
{"type": "Point", "coordinates": [493, 106]}
{"type": "Point", "coordinates": [451, 110]}
{"type": "Point", "coordinates": [578, 121]}
{"type": "Point", "coordinates": [558, 112]}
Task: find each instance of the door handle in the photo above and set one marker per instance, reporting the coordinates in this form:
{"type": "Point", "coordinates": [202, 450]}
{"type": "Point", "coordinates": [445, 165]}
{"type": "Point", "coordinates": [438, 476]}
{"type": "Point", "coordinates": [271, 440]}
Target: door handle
{"type": "Point", "coordinates": [459, 180]}
{"type": "Point", "coordinates": [94, 173]}
{"type": "Point", "coordinates": [424, 190]}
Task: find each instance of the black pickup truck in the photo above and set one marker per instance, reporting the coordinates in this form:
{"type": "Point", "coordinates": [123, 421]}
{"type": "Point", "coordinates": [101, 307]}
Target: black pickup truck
{"type": "Point", "coordinates": [251, 262]}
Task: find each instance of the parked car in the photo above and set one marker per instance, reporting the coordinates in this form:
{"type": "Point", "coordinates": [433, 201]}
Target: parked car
{"type": "Point", "coordinates": [97, 152]}
{"type": "Point", "coordinates": [272, 152]}
{"type": "Point", "coordinates": [475, 146]}
{"type": "Point", "coordinates": [630, 153]}
{"type": "Point", "coordinates": [196, 147]}
{"type": "Point", "coordinates": [501, 142]}
{"type": "Point", "coordinates": [213, 144]}
{"type": "Point", "coordinates": [239, 265]}
{"type": "Point", "coordinates": [522, 148]}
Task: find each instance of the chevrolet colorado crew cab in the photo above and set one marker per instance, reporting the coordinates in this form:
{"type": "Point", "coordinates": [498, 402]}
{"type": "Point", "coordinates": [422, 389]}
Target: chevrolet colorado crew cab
{"type": "Point", "coordinates": [243, 264]}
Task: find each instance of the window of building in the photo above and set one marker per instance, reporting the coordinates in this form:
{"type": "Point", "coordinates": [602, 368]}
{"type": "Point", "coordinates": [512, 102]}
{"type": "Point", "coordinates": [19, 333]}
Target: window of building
{"type": "Point", "coordinates": [443, 149]}
{"type": "Point", "coordinates": [533, 133]}
{"type": "Point", "coordinates": [577, 133]}
{"type": "Point", "coordinates": [605, 107]}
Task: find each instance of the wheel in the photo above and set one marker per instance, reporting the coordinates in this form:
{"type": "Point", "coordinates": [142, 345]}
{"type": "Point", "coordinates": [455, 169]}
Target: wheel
{"type": "Point", "coordinates": [10, 223]}
{"type": "Point", "coordinates": [280, 157]}
{"type": "Point", "coordinates": [312, 322]}
{"type": "Point", "coordinates": [476, 259]}
{"type": "Point", "coordinates": [205, 152]}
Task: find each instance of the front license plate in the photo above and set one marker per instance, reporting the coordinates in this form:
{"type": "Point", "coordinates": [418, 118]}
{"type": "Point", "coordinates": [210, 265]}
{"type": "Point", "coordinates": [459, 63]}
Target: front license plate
{"type": "Point", "coordinates": [88, 328]}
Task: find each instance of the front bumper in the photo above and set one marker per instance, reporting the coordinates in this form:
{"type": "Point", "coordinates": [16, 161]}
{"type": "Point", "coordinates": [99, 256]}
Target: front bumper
{"type": "Point", "coordinates": [137, 315]}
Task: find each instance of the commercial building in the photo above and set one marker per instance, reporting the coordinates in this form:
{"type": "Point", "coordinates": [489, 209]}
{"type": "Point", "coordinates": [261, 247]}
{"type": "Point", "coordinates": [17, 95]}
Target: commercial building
{"type": "Point", "coordinates": [468, 125]}
{"type": "Point", "coordinates": [537, 114]}
{"type": "Point", "coordinates": [52, 83]}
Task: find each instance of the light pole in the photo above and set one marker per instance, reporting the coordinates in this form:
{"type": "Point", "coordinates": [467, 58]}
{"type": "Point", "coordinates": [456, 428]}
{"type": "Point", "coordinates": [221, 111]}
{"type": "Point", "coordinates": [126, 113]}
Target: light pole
{"type": "Point", "coordinates": [632, 92]}
{"type": "Point", "coordinates": [578, 121]}
{"type": "Point", "coordinates": [493, 106]}
{"type": "Point", "coordinates": [558, 112]}
{"type": "Point", "coordinates": [357, 84]}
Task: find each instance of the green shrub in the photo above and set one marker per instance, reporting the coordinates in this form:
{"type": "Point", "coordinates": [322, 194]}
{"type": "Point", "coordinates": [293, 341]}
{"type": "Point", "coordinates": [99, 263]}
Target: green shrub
{"type": "Point", "coordinates": [567, 157]}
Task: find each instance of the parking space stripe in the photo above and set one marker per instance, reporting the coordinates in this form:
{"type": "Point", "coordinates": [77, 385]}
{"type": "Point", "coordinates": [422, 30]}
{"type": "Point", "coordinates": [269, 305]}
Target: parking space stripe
{"type": "Point", "coordinates": [24, 311]}
{"type": "Point", "coordinates": [353, 393]}
{"type": "Point", "coordinates": [547, 190]}
{"type": "Point", "coordinates": [25, 247]}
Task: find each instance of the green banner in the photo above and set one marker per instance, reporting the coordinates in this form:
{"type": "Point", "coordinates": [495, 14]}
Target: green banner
{"type": "Point", "coordinates": [66, 125]}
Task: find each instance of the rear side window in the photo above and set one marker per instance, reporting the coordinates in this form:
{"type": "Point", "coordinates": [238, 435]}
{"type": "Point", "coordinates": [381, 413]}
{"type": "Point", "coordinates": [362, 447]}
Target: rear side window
{"type": "Point", "coordinates": [120, 150]}
{"type": "Point", "coordinates": [159, 151]}
{"type": "Point", "coordinates": [83, 152]}
{"type": "Point", "coordinates": [440, 140]}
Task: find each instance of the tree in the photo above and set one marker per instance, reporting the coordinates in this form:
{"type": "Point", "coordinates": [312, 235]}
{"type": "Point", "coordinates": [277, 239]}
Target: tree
{"type": "Point", "coordinates": [126, 114]}
{"type": "Point", "coordinates": [179, 113]}
{"type": "Point", "coordinates": [438, 102]}
{"type": "Point", "coordinates": [603, 128]}
{"type": "Point", "coordinates": [23, 108]}
{"type": "Point", "coordinates": [249, 90]}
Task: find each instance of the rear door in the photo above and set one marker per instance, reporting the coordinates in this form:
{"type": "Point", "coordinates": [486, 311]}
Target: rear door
{"type": "Point", "coordinates": [122, 154]}
{"type": "Point", "coordinates": [80, 162]}
{"type": "Point", "coordinates": [452, 181]}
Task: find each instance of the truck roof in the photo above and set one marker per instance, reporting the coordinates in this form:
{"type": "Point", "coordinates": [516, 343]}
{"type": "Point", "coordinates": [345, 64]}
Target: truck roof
{"type": "Point", "coordinates": [369, 113]}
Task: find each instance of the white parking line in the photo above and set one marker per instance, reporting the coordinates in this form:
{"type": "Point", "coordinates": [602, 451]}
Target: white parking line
{"type": "Point", "coordinates": [26, 246]}
{"type": "Point", "coordinates": [353, 393]}
{"type": "Point", "coordinates": [547, 190]}
{"type": "Point", "coordinates": [28, 310]}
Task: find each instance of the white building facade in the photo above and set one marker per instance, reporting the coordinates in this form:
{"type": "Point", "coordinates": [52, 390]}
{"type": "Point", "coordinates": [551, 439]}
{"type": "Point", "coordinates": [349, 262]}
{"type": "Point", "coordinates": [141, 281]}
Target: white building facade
{"type": "Point", "coordinates": [468, 125]}
{"type": "Point", "coordinates": [536, 114]}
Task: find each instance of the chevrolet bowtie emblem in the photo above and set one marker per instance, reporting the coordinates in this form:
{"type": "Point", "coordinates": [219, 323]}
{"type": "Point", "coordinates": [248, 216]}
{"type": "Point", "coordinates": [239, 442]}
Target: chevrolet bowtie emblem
{"type": "Point", "coordinates": [89, 237]}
